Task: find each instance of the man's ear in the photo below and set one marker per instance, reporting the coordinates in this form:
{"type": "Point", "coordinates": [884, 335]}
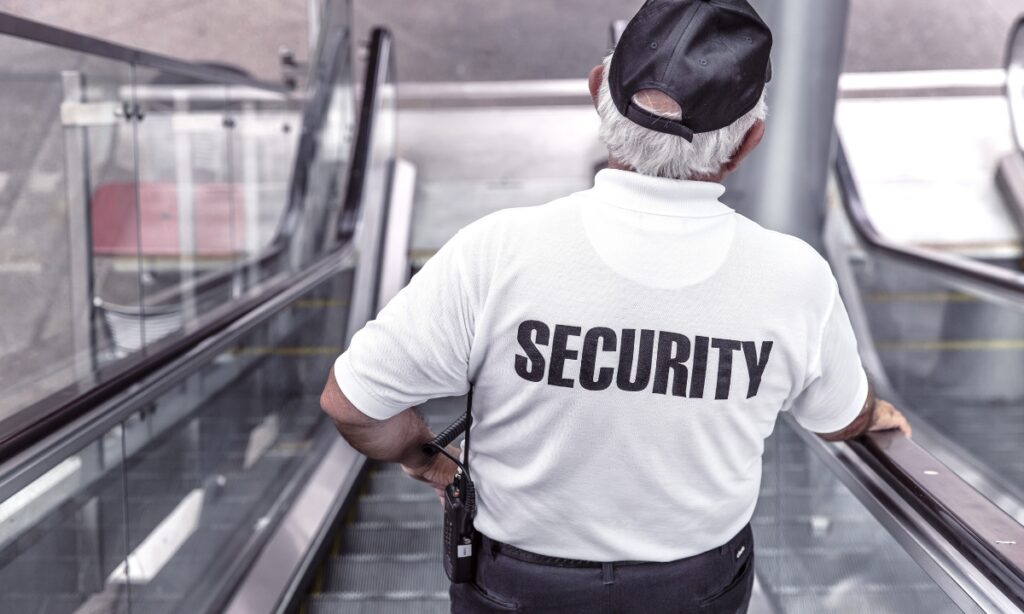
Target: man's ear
{"type": "Point", "coordinates": [750, 141]}
{"type": "Point", "coordinates": [594, 81]}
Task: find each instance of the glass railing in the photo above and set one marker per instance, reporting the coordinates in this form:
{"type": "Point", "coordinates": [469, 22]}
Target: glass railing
{"type": "Point", "coordinates": [141, 198]}
{"type": "Point", "coordinates": [164, 508]}
{"type": "Point", "coordinates": [819, 549]}
{"type": "Point", "coordinates": [161, 498]}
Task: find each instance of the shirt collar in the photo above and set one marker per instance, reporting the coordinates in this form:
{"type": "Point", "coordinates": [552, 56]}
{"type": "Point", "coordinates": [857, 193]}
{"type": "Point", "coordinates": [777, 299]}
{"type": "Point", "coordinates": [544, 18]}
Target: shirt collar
{"type": "Point", "coordinates": [674, 197]}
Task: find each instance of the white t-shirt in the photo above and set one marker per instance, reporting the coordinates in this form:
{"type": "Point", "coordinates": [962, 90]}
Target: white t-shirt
{"type": "Point", "coordinates": [631, 346]}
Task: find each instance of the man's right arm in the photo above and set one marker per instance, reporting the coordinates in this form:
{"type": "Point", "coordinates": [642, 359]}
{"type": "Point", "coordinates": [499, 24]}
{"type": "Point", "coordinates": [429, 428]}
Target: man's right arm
{"type": "Point", "coordinates": [828, 403]}
{"type": "Point", "coordinates": [876, 415]}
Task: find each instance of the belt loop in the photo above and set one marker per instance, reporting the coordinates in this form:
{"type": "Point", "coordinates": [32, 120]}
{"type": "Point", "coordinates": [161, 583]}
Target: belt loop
{"type": "Point", "coordinates": [493, 548]}
{"type": "Point", "coordinates": [608, 573]}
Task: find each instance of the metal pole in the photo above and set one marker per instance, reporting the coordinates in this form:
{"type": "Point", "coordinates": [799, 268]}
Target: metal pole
{"type": "Point", "coordinates": [185, 192]}
{"type": "Point", "coordinates": [80, 257]}
{"type": "Point", "coordinates": [782, 184]}
{"type": "Point", "coordinates": [248, 131]}
{"type": "Point", "coordinates": [314, 10]}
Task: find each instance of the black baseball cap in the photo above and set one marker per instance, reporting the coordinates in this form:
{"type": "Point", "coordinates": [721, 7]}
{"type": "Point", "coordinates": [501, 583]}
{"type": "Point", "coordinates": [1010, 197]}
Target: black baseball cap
{"type": "Point", "coordinates": [710, 56]}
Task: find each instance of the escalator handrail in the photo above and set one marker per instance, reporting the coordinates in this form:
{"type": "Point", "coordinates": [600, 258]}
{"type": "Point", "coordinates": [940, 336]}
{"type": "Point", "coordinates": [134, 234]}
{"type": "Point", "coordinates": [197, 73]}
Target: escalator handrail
{"type": "Point", "coordinates": [986, 278]}
{"type": "Point", "coordinates": [977, 527]}
{"type": "Point", "coordinates": [379, 71]}
{"type": "Point", "coordinates": [28, 29]}
{"type": "Point", "coordinates": [990, 537]}
{"type": "Point", "coordinates": [46, 416]}
{"type": "Point", "coordinates": [315, 112]}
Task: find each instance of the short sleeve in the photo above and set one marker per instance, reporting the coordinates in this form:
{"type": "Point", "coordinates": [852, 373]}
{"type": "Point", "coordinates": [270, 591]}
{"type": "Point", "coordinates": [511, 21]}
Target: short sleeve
{"type": "Point", "coordinates": [836, 386]}
{"type": "Point", "coordinates": [419, 345]}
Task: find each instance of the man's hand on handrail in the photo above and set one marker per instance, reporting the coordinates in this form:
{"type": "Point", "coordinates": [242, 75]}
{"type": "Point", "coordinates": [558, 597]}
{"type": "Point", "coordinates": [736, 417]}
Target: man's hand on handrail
{"type": "Point", "coordinates": [876, 415]}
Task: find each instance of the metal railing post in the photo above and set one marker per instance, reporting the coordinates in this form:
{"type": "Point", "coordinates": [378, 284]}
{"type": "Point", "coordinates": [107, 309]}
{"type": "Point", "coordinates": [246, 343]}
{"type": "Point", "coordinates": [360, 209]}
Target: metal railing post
{"type": "Point", "coordinates": [782, 184]}
{"type": "Point", "coordinates": [80, 253]}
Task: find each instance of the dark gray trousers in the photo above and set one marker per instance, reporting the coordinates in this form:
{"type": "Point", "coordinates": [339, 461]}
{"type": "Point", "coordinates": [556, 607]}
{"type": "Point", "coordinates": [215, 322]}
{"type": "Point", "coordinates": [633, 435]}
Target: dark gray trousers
{"type": "Point", "coordinates": [716, 581]}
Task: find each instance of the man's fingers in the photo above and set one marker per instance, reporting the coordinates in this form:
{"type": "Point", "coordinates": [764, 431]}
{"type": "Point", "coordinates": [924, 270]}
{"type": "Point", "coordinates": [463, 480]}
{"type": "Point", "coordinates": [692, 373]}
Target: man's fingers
{"type": "Point", "coordinates": [888, 417]}
{"type": "Point", "coordinates": [903, 424]}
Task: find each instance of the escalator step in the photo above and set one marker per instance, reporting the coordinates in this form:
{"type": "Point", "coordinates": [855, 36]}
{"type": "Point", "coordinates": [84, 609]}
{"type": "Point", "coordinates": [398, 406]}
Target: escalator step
{"type": "Point", "coordinates": [385, 498]}
{"type": "Point", "coordinates": [393, 483]}
{"type": "Point", "coordinates": [387, 469]}
{"type": "Point", "coordinates": [340, 604]}
{"type": "Point", "coordinates": [830, 534]}
{"type": "Point", "coordinates": [922, 598]}
{"type": "Point", "coordinates": [376, 576]}
{"type": "Point", "coordinates": [389, 539]}
{"type": "Point", "coordinates": [791, 572]}
{"type": "Point", "coordinates": [399, 511]}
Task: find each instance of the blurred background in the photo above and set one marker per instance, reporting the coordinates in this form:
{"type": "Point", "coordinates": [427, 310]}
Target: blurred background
{"type": "Point", "coordinates": [508, 39]}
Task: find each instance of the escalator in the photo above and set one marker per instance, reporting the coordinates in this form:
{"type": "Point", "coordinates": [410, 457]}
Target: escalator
{"type": "Point", "coordinates": [209, 481]}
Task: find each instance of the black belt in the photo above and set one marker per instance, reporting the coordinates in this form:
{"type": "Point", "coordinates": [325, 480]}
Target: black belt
{"type": "Point", "coordinates": [494, 546]}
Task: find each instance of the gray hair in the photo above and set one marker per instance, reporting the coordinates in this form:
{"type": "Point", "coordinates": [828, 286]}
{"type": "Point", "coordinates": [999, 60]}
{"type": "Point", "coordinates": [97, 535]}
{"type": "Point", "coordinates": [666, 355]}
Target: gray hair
{"type": "Point", "coordinates": [667, 155]}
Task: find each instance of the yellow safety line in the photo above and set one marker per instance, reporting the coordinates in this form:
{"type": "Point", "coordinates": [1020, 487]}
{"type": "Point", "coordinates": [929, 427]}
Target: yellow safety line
{"type": "Point", "coordinates": [946, 297]}
{"type": "Point", "coordinates": [961, 345]}
{"type": "Point", "coordinates": [324, 350]}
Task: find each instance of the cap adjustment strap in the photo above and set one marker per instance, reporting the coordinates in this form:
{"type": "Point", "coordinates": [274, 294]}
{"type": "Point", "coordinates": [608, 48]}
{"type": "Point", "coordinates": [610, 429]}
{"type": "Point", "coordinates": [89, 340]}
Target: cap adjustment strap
{"type": "Point", "coordinates": [656, 122]}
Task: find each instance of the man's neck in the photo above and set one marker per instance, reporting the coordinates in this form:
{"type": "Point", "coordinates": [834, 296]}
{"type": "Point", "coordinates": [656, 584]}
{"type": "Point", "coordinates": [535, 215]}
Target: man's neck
{"type": "Point", "coordinates": [615, 164]}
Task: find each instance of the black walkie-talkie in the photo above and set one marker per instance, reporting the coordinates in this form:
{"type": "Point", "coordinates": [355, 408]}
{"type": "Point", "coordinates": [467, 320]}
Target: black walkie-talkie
{"type": "Point", "coordinates": [460, 538]}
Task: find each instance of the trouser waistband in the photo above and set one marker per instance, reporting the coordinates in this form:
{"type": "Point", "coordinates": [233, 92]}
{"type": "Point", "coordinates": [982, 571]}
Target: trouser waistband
{"type": "Point", "coordinates": [488, 545]}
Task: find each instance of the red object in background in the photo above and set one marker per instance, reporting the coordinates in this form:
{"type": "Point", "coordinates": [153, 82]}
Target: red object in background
{"type": "Point", "coordinates": [219, 219]}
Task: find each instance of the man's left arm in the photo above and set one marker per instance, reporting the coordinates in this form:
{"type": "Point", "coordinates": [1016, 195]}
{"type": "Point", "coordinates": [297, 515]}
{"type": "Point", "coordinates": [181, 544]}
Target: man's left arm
{"type": "Point", "coordinates": [416, 349]}
{"type": "Point", "coordinates": [398, 439]}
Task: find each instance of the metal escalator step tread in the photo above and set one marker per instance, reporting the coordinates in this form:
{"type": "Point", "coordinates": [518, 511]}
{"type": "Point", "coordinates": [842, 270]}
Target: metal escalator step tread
{"type": "Point", "coordinates": [343, 604]}
{"type": "Point", "coordinates": [385, 497]}
{"type": "Point", "coordinates": [792, 571]}
{"type": "Point", "coordinates": [387, 469]}
{"type": "Point", "coordinates": [386, 576]}
{"type": "Point", "coordinates": [42, 603]}
{"type": "Point", "coordinates": [868, 599]}
{"type": "Point", "coordinates": [394, 483]}
{"type": "Point", "coordinates": [389, 540]}
{"type": "Point", "coordinates": [399, 511]}
{"type": "Point", "coordinates": [838, 535]}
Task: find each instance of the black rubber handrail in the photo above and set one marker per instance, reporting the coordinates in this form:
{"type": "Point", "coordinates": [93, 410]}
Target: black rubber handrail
{"type": "Point", "coordinates": [990, 537]}
{"type": "Point", "coordinates": [41, 419]}
{"type": "Point", "coordinates": [379, 71]}
{"type": "Point", "coordinates": [315, 110]}
{"type": "Point", "coordinates": [27, 29]}
{"type": "Point", "coordinates": [979, 528]}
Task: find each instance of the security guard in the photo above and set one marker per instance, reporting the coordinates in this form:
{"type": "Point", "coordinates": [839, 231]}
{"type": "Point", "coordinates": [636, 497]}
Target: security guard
{"type": "Point", "coordinates": [630, 347]}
